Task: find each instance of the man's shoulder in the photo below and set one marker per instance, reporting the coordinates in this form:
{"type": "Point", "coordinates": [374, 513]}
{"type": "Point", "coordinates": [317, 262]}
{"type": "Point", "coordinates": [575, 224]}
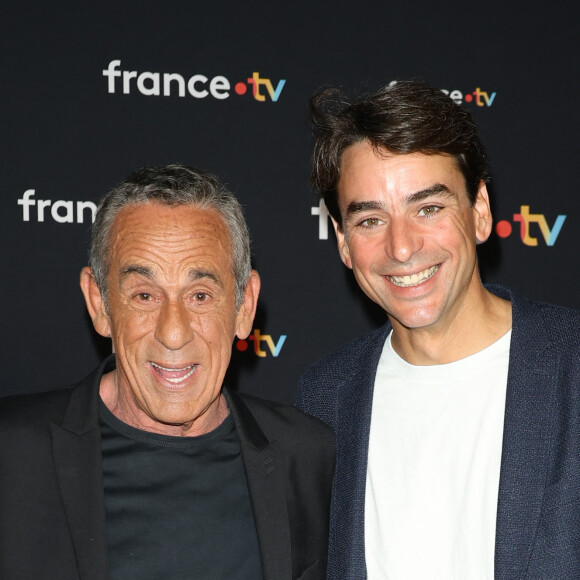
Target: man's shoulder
{"type": "Point", "coordinates": [561, 314]}
{"type": "Point", "coordinates": [318, 391]}
{"type": "Point", "coordinates": [551, 319]}
{"type": "Point", "coordinates": [25, 420]}
{"type": "Point", "coordinates": [277, 419]}
{"type": "Point", "coordinates": [347, 357]}
{"type": "Point", "coordinates": [35, 407]}
{"type": "Point", "coordinates": [551, 327]}
{"type": "Point", "coordinates": [27, 412]}
{"type": "Point", "coordinates": [542, 331]}
{"type": "Point", "coordinates": [528, 306]}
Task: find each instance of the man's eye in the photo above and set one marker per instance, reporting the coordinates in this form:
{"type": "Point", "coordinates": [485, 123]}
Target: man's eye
{"type": "Point", "coordinates": [371, 223]}
{"type": "Point", "coordinates": [200, 297]}
{"type": "Point", "coordinates": [144, 297]}
{"type": "Point", "coordinates": [429, 210]}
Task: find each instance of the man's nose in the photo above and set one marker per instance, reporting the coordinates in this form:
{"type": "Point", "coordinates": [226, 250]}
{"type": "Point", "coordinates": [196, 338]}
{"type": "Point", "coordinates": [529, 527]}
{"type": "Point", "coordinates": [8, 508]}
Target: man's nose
{"type": "Point", "coordinates": [403, 240]}
{"type": "Point", "coordinates": [173, 329]}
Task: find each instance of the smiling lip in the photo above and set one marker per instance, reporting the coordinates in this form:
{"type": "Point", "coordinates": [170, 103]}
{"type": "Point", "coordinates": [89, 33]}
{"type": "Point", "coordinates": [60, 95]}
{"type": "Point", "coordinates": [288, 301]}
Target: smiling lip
{"type": "Point", "coordinates": [414, 279]}
{"type": "Point", "coordinates": [174, 375]}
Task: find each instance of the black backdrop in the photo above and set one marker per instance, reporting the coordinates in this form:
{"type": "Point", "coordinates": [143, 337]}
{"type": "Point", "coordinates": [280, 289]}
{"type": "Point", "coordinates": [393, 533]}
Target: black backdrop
{"type": "Point", "coordinates": [70, 133]}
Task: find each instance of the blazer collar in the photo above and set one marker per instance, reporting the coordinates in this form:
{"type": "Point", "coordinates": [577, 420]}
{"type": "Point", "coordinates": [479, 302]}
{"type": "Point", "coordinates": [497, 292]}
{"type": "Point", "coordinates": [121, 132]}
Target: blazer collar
{"type": "Point", "coordinates": [82, 413]}
{"type": "Point", "coordinates": [266, 483]}
{"type": "Point", "coordinates": [77, 456]}
{"type": "Point", "coordinates": [355, 393]}
{"type": "Point", "coordinates": [530, 406]}
{"type": "Point", "coordinates": [76, 448]}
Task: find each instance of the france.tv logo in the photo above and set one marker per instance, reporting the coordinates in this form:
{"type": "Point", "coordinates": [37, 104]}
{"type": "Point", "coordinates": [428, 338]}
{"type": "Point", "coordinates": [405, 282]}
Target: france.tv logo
{"type": "Point", "coordinates": [198, 86]}
{"type": "Point", "coordinates": [259, 340]}
{"type": "Point", "coordinates": [477, 97]}
{"type": "Point", "coordinates": [528, 235]}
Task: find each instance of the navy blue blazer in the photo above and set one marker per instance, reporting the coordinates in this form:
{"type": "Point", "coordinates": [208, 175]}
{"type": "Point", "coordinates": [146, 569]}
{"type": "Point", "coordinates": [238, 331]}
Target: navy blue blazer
{"type": "Point", "coordinates": [538, 513]}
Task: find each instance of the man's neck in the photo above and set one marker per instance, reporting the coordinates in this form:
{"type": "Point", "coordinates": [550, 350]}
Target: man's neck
{"type": "Point", "coordinates": [478, 323]}
{"type": "Point", "coordinates": [123, 406]}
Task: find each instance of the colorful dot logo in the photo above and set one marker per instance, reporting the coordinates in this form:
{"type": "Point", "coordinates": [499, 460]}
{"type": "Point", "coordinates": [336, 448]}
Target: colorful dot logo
{"type": "Point", "coordinates": [256, 83]}
{"type": "Point", "coordinates": [504, 228]}
{"type": "Point", "coordinates": [481, 98]}
{"type": "Point", "coordinates": [259, 339]}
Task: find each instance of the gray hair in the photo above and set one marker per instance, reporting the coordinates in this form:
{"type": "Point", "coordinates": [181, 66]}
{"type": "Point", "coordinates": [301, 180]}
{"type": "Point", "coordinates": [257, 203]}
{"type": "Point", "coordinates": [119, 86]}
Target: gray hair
{"type": "Point", "coordinates": [171, 185]}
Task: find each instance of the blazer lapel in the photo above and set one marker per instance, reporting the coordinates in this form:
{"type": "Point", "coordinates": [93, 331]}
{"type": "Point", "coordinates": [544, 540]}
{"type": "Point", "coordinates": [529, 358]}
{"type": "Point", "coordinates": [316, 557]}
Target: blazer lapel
{"type": "Point", "coordinates": [355, 394]}
{"type": "Point", "coordinates": [262, 461]}
{"type": "Point", "coordinates": [530, 405]}
{"type": "Point", "coordinates": [76, 447]}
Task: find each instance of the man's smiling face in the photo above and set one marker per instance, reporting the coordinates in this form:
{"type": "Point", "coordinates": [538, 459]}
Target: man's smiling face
{"type": "Point", "coordinates": [172, 314]}
{"type": "Point", "coordinates": [409, 233]}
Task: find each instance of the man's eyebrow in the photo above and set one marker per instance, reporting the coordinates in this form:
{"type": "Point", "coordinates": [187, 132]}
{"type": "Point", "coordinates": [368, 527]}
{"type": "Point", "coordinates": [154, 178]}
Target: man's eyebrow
{"type": "Point", "coordinates": [437, 189]}
{"type": "Point", "coordinates": [355, 207]}
{"type": "Point", "coordinates": [135, 269]}
{"type": "Point", "coordinates": [198, 274]}
{"type": "Point", "coordinates": [194, 274]}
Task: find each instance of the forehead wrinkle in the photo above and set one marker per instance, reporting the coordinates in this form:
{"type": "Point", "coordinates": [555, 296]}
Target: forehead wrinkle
{"type": "Point", "coordinates": [165, 246]}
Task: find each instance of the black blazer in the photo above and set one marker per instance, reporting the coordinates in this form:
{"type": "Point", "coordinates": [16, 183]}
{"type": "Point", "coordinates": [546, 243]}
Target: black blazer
{"type": "Point", "coordinates": [52, 515]}
{"type": "Point", "coordinates": [538, 512]}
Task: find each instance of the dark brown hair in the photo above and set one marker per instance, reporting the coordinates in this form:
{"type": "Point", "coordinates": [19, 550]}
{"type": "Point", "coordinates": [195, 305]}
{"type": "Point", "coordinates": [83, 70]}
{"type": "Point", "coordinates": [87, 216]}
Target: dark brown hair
{"type": "Point", "coordinates": [404, 117]}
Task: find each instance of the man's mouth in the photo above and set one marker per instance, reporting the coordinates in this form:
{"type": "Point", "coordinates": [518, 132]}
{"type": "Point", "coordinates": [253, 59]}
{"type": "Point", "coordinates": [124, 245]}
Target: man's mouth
{"type": "Point", "coordinates": [174, 375]}
{"type": "Point", "coordinates": [414, 279]}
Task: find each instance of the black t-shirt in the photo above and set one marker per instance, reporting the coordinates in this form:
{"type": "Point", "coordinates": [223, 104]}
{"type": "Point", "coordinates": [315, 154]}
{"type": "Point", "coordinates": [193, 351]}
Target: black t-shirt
{"type": "Point", "coordinates": [177, 507]}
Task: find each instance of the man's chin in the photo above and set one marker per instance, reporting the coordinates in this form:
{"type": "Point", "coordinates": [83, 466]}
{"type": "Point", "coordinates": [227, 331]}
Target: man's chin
{"type": "Point", "coordinates": [415, 320]}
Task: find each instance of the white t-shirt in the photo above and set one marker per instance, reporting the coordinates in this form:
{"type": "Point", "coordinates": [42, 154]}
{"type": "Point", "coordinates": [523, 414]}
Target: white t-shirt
{"type": "Point", "coordinates": [433, 469]}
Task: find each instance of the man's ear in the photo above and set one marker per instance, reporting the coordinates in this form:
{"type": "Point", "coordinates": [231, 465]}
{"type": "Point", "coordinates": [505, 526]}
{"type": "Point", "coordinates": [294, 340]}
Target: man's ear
{"type": "Point", "coordinates": [95, 303]}
{"type": "Point", "coordinates": [482, 214]}
{"type": "Point", "coordinates": [247, 310]}
{"type": "Point", "coordinates": [343, 249]}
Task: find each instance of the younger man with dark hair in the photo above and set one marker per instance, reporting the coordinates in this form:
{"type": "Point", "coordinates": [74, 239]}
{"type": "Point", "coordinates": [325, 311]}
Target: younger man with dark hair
{"type": "Point", "coordinates": [457, 422]}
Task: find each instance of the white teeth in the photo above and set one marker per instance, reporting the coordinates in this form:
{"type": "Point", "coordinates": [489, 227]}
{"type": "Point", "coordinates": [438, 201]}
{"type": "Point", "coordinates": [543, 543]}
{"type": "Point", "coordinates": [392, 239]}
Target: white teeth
{"type": "Point", "coordinates": [176, 380]}
{"type": "Point", "coordinates": [170, 370]}
{"type": "Point", "coordinates": [181, 379]}
{"type": "Point", "coordinates": [414, 279]}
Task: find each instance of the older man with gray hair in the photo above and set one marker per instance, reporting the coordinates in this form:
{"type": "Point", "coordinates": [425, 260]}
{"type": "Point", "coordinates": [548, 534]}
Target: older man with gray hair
{"type": "Point", "coordinates": [149, 467]}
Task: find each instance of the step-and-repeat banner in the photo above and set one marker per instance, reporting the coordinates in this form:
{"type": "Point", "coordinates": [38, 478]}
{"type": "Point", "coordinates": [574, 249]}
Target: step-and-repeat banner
{"type": "Point", "coordinates": [91, 92]}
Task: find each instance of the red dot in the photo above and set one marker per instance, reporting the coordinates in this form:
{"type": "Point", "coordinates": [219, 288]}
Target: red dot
{"type": "Point", "coordinates": [241, 88]}
{"type": "Point", "coordinates": [469, 98]}
{"type": "Point", "coordinates": [242, 345]}
{"type": "Point", "coordinates": [503, 229]}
